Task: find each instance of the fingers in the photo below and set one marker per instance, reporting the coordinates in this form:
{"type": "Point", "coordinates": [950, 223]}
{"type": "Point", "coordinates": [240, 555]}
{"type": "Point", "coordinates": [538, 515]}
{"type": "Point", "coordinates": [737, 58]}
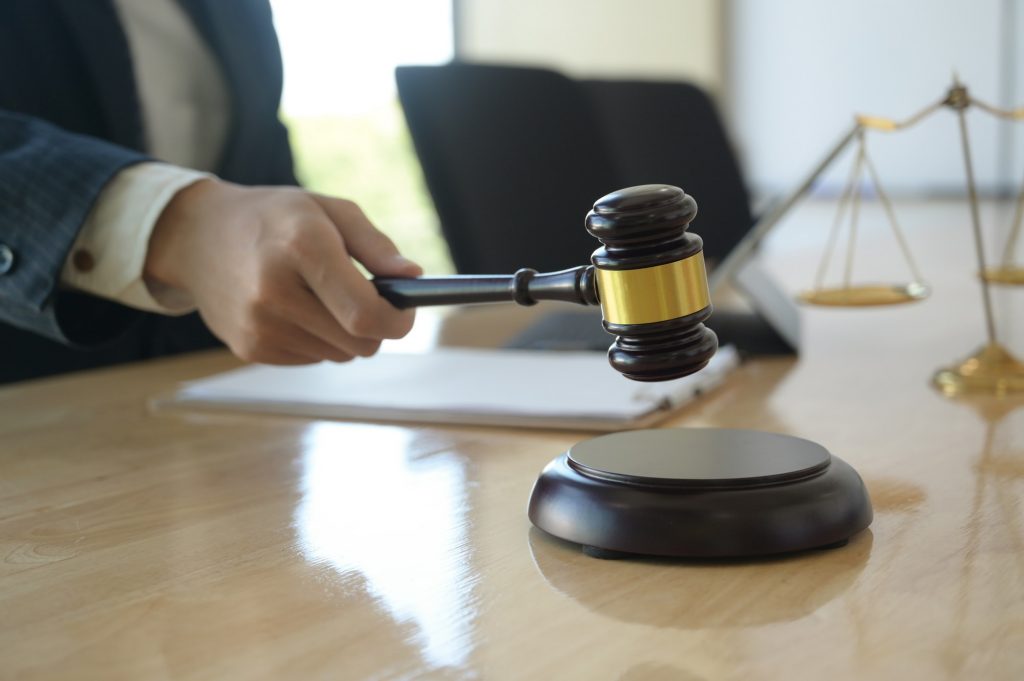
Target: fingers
{"type": "Point", "coordinates": [365, 242]}
{"type": "Point", "coordinates": [352, 300]}
{"type": "Point", "coordinates": [278, 357]}
{"type": "Point", "coordinates": [282, 342]}
{"type": "Point", "coordinates": [300, 342]}
{"type": "Point", "coordinates": [309, 314]}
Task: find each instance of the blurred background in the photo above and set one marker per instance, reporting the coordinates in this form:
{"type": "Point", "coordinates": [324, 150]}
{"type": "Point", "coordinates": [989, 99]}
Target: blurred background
{"type": "Point", "coordinates": [787, 78]}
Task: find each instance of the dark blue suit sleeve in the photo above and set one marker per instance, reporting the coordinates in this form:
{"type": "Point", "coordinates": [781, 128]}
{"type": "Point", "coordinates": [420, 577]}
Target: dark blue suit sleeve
{"type": "Point", "coordinates": [49, 181]}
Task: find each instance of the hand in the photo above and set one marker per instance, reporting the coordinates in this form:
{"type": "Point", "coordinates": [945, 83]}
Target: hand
{"type": "Point", "coordinates": [271, 271]}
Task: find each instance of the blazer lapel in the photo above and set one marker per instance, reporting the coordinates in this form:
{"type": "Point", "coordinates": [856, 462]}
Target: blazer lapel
{"type": "Point", "coordinates": [204, 18]}
{"type": "Point", "coordinates": [241, 35]}
{"type": "Point", "coordinates": [104, 48]}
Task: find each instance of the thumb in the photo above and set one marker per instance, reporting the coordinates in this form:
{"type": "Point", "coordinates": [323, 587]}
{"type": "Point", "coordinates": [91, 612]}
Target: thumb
{"type": "Point", "coordinates": [364, 242]}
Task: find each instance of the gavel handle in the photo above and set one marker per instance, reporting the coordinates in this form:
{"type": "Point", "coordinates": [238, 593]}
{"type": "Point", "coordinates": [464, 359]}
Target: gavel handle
{"type": "Point", "coordinates": [525, 287]}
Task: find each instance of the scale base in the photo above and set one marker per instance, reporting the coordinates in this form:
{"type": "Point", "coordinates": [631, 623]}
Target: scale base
{"type": "Point", "coordinates": [867, 295]}
{"type": "Point", "coordinates": [1010, 275]}
{"type": "Point", "coordinates": [699, 493]}
{"type": "Point", "coordinates": [992, 370]}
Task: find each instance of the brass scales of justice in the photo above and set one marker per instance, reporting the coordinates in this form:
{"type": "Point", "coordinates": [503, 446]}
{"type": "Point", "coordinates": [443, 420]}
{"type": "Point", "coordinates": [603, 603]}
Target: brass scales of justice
{"type": "Point", "coordinates": [992, 370]}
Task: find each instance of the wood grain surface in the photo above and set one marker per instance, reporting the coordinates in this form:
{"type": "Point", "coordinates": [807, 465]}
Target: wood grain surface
{"type": "Point", "coordinates": [146, 545]}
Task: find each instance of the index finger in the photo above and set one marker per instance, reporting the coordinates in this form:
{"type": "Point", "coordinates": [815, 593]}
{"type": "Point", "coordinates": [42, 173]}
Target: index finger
{"type": "Point", "coordinates": [349, 296]}
{"type": "Point", "coordinates": [367, 244]}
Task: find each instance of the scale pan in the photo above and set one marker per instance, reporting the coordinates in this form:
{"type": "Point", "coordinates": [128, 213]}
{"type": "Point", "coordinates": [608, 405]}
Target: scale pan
{"type": "Point", "coordinates": [866, 295]}
{"type": "Point", "coordinates": [1012, 275]}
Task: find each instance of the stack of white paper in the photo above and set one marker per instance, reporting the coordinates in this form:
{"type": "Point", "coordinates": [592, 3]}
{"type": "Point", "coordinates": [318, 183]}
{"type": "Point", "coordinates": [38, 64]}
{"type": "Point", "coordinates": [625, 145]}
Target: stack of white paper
{"type": "Point", "coordinates": [460, 385]}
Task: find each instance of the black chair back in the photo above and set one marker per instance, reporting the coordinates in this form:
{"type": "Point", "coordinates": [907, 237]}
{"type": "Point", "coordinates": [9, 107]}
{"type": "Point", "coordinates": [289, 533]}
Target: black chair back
{"type": "Point", "coordinates": [513, 158]}
{"type": "Point", "coordinates": [670, 132]}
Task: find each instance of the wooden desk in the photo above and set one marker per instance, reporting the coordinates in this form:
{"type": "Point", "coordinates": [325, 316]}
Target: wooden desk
{"type": "Point", "coordinates": [138, 545]}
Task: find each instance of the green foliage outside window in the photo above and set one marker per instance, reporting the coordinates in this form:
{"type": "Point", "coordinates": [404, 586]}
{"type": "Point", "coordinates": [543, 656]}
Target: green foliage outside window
{"type": "Point", "coordinates": [370, 160]}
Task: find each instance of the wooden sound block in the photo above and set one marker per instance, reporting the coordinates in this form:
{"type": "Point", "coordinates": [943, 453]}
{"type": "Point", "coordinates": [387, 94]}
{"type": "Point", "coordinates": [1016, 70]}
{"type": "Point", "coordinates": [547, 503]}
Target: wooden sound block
{"type": "Point", "coordinates": [699, 492]}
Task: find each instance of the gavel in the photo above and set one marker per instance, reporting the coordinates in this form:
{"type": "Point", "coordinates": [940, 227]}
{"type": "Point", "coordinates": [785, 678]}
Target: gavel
{"type": "Point", "coordinates": [648, 276]}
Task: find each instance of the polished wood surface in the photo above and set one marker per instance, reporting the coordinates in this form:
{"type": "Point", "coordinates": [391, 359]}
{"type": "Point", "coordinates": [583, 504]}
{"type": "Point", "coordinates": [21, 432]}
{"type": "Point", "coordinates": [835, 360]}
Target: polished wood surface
{"type": "Point", "coordinates": [139, 544]}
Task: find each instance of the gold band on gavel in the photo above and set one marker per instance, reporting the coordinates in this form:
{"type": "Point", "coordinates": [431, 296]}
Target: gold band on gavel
{"type": "Point", "coordinates": [654, 294]}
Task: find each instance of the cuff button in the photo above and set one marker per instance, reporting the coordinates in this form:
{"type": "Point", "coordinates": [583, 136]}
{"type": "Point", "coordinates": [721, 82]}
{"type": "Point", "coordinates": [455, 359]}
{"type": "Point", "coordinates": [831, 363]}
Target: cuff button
{"type": "Point", "coordinates": [6, 259]}
{"type": "Point", "coordinates": [83, 260]}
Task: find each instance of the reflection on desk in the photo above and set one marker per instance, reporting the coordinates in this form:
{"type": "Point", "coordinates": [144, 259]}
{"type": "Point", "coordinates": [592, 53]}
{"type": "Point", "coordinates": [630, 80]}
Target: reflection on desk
{"type": "Point", "coordinates": [411, 557]}
{"type": "Point", "coordinates": [703, 591]}
{"type": "Point", "coordinates": [137, 545]}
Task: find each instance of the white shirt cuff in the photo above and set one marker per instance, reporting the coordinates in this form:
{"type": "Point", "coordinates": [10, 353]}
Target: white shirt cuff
{"type": "Point", "coordinates": [109, 255]}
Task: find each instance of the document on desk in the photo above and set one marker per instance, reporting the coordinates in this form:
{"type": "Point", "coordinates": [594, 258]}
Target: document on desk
{"type": "Point", "coordinates": [529, 388]}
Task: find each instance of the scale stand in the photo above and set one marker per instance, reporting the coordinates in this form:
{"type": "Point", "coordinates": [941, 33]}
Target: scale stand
{"type": "Point", "coordinates": [992, 370]}
{"type": "Point", "coordinates": [699, 493]}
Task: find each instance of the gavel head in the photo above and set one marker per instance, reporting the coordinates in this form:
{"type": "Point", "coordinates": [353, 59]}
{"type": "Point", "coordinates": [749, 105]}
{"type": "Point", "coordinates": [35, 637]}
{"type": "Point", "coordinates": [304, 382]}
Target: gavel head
{"type": "Point", "coordinates": [651, 282]}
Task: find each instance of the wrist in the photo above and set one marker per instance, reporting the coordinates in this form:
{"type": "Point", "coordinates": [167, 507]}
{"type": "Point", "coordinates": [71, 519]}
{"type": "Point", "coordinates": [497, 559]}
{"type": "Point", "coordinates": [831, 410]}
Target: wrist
{"type": "Point", "coordinates": [167, 255]}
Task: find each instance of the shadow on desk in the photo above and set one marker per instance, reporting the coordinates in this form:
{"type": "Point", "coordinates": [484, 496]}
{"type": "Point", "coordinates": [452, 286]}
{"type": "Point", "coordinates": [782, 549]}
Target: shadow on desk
{"type": "Point", "coordinates": [704, 593]}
